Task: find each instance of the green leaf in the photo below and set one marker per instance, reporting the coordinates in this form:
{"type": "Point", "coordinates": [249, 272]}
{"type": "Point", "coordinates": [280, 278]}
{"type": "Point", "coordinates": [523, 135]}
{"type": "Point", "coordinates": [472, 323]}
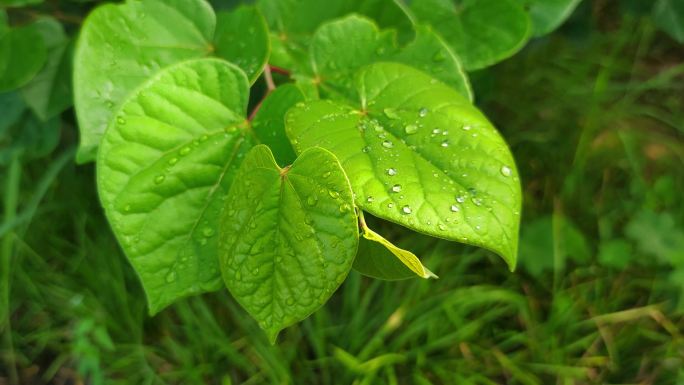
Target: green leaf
{"type": "Point", "coordinates": [242, 37]}
{"type": "Point", "coordinates": [49, 92]}
{"type": "Point", "coordinates": [419, 154]}
{"type": "Point", "coordinates": [19, 3]}
{"type": "Point", "coordinates": [379, 258]}
{"type": "Point", "coordinates": [669, 16]}
{"type": "Point", "coordinates": [547, 15]}
{"type": "Point", "coordinates": [120, 46]}
{"type": "Point", "coordinates": [11, 109]}
{"type": "Point", "coordinates": [339, 48]}
{"type": "Point", "coordinates": [481, 32]}
{"type": "Point", "coordinates": [288, 236]}
{"type": "Point", "coordinates": [22, 55]}
{"type": "Point", "coordinates": [164, 169]}
{"type": "Point", "coordinates": [269, 122]}
{"type": "Point", "coordinates": [295, 21]}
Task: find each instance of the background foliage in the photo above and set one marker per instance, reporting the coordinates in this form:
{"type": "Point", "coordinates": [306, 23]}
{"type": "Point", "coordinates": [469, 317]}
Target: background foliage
{"type": "Point", "coordinates": [593, 113]}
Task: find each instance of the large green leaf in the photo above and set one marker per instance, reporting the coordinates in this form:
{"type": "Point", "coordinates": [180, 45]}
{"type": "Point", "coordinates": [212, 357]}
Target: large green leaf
{"type": "Point", "coordinates": [122, 45]}
{"type": "Point", "coordinates": [49, 92]}
{"type": "Point", "coordinates": [482, 32]}
{"type": "Point", "coordinates": [165, 164]}
{"type": "Point", "coordinates": [419, 154]}
{"type": "Point", "coordinates": [288, 236]}
{"type": "Point", "coordinates": [339, 48]}
{"type": "Point", "coordinates": [268, 124]}
{"type": "Point", "coordinates": [22, 55]}
{"type": "Point", "coordinates": [669, 16]}
{"type": "Point", "coordinates": [547, 15]}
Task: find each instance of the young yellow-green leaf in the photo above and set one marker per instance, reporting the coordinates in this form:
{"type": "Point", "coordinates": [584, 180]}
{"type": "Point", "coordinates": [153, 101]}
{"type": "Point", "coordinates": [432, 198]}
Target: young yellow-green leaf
{"type": "Point", "coordinates": [339, 48]}
{"type": "Point", "coordinates": [547, 15]}
{"type": "Point", "coordinates": [288, 236]}
{"type": "Point", "coordinates": [380, 258]}
{"type": "Point", "coordinates": [22, 55]}
{"type": "Point", "coordinates": [419, 154]}
{"type": "Point", "coordinates": [482, 32]}
{"type": "Point", "coordinates": [122, 45]}
{"type": "Point", "coordinates": [165, 163]}
{"type": "Point", "coordinates": [268, 124]}
{"type": "Point", "coordinates": [49, 92]}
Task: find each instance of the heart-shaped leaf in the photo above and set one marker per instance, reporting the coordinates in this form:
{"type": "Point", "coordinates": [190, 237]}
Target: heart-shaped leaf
{"type": "Point", "coordinates": [482, 32]}
{"type": "Point", "coordinates": [547, 15]}
{"type": "Point", "coordinates": [22, 55]}
{"type": "Point", "coordinates": [122, 45]}
{"type": "Point", "coordinates": [164, 169]}
{"type": "Point", "coordinates": [288, 236]}
{"type": "Point", "coordinates": [419, 154]}
{"type": "Point", "coordinates": [269, 122]}
{"type": "Point", "coordinates": [339, 48]}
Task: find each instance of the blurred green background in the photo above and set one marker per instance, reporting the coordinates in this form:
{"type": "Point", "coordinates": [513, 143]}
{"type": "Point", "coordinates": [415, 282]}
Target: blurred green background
{"type": "Point", "coordinates": [594, 114]}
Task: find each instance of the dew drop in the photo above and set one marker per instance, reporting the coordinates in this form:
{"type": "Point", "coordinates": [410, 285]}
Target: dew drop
{"type": "Point", "coordinates": [390, 205]}
{"type": "Point", "coordinates": [438, 56]}
{"type": "Point", "coordinates": [333, 194]}
{"type": "Point", "coordinates": [391, 172]}
{"type": "Point", "coordinates": [208, 232]}
{"type": "Point", "coordinates": [411, 129]}
{"type": "Point", "coordinates": [312, 200]}
{"type": "Point", "coordinates": [184, 150]}
{"type": "Point", "coordinates": [454, 208]}
{"type": "Point", "coordinates": [396, 188]}
{"type": "Point", "coordinates": [344, 208]}
{"type": "Point", "coordinates": [506, 171]}
{"type": "Point", "coordinates": [477, 201]}
{"type": "Point", "coordinates": [436, 131]}
{"type": "Point", "coordinates": [423, 112]}
{"type": "Point", "coordinates": [387, 144]}
{"type": "Point", "coordinates": [173, 161]}
{"type": "Point", "coordinates": [326, 174]}
{"type": "Point", "coordinates": [171, 277]}
{"type": "Point", "coordinates": [370, 199]}
{"type": "Point", "coordinates": [460, 199]}
{"type": "Point", "coordinates": [159, 178]}
{"type": "Point", "coordinates": [441, 227]}
{"type": "Point", "coordinates": [121, 120]}
{"type": "Point", "coordinates": [466, 128]}
{"type": "Point", "coordinates": [445, 143]}
{"type": "Point", "coordinates": [406, 209]}
{"type": "Point", "coordinates": [366, 149]}
{"type": "Point", "coordinates": [391, 113]}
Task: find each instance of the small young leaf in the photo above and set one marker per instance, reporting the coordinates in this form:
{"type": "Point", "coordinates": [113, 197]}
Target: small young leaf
{"type": "Point", "coordinates": [419, 154]}
{"type": "Point", "coordinates": [547, 15]}
{"type": "Point", "coordinates": [49, 92]}
{"type": "Point", "coordinates": [269, 122]}
{"type": "Point", "coordinates": [288, 236]}
{"type": "Point", "coordinates": [482, 32]}
{"type": "Point", "coordinates": [392, 264]}
{"type": "Point", "coordinates": [22, 55]}
{"type": "Point", "coordinates": [120, 46]}
{"type": "Point", "coordinates": [163, 171]}
{"type": "Point", "coordinates": [339, 48]}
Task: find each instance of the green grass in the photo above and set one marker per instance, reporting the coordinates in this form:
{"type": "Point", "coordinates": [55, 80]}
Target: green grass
{"type": "Point", "coordinates": [596, 121]}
